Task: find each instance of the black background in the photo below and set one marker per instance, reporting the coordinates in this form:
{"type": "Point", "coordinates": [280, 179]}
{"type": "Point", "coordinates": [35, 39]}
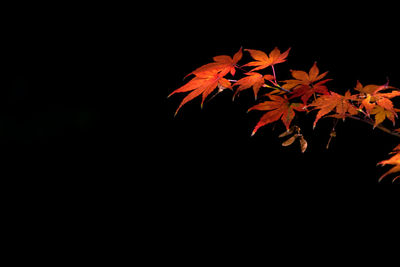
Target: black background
{"type": "Point", "coordinates": [83, 152]}
{"type": "Point", "coordinates": [73, 104]}
{"type": "Point", "coordinates": [54, 138]}
{"type": "Point", "coordinates": [212, 148]}
{"type": "Point", "coordinates": [58, 130]}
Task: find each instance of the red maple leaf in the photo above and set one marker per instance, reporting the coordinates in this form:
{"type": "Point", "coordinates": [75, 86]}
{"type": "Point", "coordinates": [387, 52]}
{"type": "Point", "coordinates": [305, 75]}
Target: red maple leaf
{"type": "Point", "coordinates": [333, 102]}
{"type": "Point", "coordinates": [378, 103]}
{"type": "Point", "coordinates": [203, 84]}
{"type": "Point", "coordinates": [222, 64]}
{"type": "Point", "coordinates": [394, 160]}
{"type": "Point", "coordinates": [278, 108]}
{"type": "Point", "coordinates": [262, 60]}
{"type": "Point", "coordinates": [253, 79]}
{"type": "Point", "coordinates": [304, 84]}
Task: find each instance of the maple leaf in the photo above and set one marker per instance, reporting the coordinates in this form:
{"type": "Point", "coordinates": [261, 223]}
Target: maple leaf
{"type": "Point", "coordinates": [253, 79]}
{"type": "Point", "coordinates": [304, 78]}
{"type": "Point", "coordinates": [372, 88]}
{"type": "Point", "coordinates": [223, 64]}
{"type": "Point", "coordinates": [376, 102]}
{"type": "Point", "coordinates": [278, 108]}
{"type": "Point", "coordinates": [368, 89]}
{"type": "Point", "coordinates": [366, 103]}
{"type": "Point", "coordinates": [334, 102]}
{"type": "Point", "coordinates": [375, 90]}
{"type": "Point", "coordinates": [263, 60]}
{"type": "Point", "coordinates": [202, 84]}
{"type": "Point", "coordinates": [304, 85]}
{"type": "Point", "coordinates": [381, 114]}
{"type": "Point", "coordinates": [394, 160]}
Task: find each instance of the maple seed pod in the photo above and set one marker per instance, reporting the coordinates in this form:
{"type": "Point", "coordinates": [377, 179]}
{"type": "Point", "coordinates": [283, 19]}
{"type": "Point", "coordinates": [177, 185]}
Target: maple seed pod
{"type": "Point", "coordinates": [286, 133]}
{"type": "Point", "coordinates": [303, 144]}
{"type": "Point", "coordinates": [289, 141]}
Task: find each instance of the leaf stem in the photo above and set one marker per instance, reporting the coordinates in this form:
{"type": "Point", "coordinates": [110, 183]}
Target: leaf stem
{"type": "Point", "coordinates": [273, 72]}
{"type": "Point", "coordinates": [276, 86]}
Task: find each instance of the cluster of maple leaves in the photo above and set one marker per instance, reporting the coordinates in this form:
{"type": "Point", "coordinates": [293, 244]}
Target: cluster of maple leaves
{"type": "Point", "coordinates": [306, 91]}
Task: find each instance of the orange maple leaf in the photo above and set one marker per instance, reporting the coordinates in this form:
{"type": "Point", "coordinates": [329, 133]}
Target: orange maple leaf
{"type": "Point", "coordinates": [381, 114]}
{"type": "Point", "coordinates": [366, 103]}
{"type": "Point", "coordinates": [223, 64]}
{"type": "Point", "coordinates": [203, 84]}
{"type": "Point", "coordinates": [263, 60]}
{"type": "Point", "coordinates": [371, 88]}
{"type": "Point", "coordinates": [375, 91]}
{"type": "Point", "coordinates": [304, 85]}
{"type": "Point", "coordinates": [334, 102]}
{"type": "Point", "coordinates": [253, 79]}
{"type": "Point", "coordinates": [278, 108]}
{"type": "Point", "coordinates": [394, 160]}
{"type": "Point", "coordinates": [376, 102]}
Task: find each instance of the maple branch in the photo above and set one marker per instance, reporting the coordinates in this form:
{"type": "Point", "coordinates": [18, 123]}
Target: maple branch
{"type": "Point", "coordinates": [282, 89]}
{"type": "Point", "coordinates": [380, 127]}
{"type": "Point", "coordinates": [276, 86]}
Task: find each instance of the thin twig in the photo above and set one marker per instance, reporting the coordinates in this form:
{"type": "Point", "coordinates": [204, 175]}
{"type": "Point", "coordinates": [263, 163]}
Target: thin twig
{"type": "Point", "coordinates": [380, 127]}
{"type": "Point", "coordinates": [276, 86]}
